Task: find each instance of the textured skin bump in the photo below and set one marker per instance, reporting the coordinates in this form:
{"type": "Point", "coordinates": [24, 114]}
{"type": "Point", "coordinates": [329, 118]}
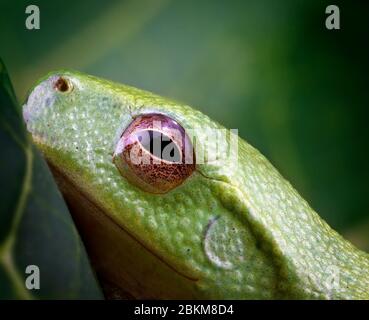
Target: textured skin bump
{"type": "Point", "coordinates": [236, 230]}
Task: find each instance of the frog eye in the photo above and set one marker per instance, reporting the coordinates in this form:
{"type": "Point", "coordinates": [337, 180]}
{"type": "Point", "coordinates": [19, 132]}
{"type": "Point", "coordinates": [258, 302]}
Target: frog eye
{"type": "Point", "coordinates": [155, 153]}
{"type": "Point", "coordinates": [62, 84]}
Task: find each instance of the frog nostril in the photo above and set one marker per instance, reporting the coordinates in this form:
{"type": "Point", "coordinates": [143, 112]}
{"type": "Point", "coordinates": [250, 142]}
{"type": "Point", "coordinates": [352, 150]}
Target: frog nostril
{"type": "Point", "coordinates": [62, 85]}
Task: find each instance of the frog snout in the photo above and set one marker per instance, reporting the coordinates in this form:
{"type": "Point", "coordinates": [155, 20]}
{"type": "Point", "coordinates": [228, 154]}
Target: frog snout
{"type": "Point", "coordinates": [40, 101]}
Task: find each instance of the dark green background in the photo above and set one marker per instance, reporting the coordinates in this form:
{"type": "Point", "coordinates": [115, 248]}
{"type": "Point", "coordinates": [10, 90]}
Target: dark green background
{"type": "Point", "coordinates": [296, 91]}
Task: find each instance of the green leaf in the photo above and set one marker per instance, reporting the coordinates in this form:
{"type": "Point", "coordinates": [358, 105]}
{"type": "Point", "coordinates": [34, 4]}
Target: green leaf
{"type": "Point", "coordinates": [35, 225]}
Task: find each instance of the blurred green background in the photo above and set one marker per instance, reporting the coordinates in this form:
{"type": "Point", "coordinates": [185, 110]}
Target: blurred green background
{"type": "Point", "coordinates": [295, 90]}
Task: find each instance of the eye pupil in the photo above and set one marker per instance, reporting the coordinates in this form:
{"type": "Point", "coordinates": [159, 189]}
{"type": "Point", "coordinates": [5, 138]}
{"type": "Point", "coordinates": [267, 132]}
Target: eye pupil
{"type": "Point", "coordinates": [61, 85]}
{"type": "Point", "coordinates": [158, 144]}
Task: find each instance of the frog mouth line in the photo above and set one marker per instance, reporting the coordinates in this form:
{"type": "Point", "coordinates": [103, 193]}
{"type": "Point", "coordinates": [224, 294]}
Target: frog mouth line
{"type": "Point", "coordinates": [58, 172]}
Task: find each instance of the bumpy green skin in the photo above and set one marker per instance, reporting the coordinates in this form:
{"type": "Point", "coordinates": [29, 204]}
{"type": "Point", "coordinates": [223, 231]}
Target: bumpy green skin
{"type": "Point", "coordinates": [227, 232]}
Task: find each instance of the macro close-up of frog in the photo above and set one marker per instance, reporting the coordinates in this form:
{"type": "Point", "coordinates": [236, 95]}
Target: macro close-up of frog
{"type": "Point", "coordinates": [222, 228]}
